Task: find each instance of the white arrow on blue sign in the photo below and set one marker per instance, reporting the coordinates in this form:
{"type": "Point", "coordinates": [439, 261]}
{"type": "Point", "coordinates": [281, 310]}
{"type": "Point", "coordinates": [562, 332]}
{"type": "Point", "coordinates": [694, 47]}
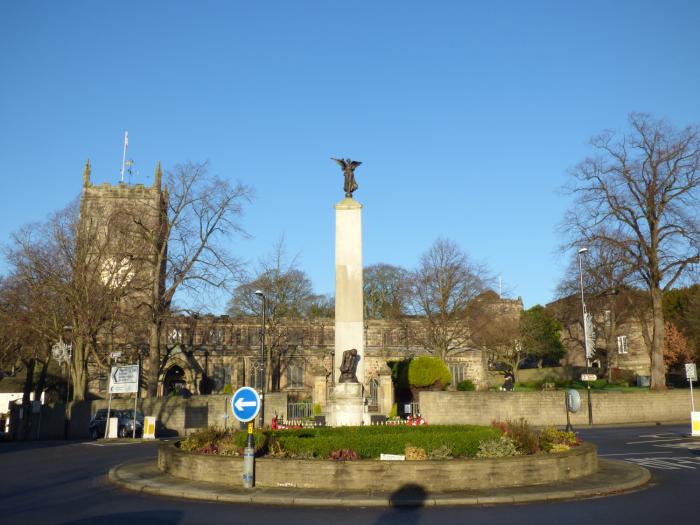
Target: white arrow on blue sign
{"type": "Point", "coordinates": [245, 404]}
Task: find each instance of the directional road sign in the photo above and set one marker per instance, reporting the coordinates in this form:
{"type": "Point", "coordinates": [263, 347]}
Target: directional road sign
{"type": "Point", "coordinates": [124, 379]}
{"type": "Point", "coordinates": [245, 404]}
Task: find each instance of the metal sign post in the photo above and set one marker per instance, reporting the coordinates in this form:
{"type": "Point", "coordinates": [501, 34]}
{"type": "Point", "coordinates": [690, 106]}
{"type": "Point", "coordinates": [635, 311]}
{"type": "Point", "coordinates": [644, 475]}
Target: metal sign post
{"type": "Point", "coordinates": [245, 405]}
{"type": "Point", "coordinates": [136, 399]}
{"type": "Point", "coordinates": [123, 379]}
{"type": "Point", "coordinates": [691, 373]}
{"type": "Point", "coordinates": [588, 379]}
{"type": "Point", "coordinates": [249, 459]}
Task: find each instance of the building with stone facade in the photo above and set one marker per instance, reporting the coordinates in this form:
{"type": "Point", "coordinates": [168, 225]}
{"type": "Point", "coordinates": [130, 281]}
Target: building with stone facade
{"type": "Point", "coordinates": [218, 354]}
{"type": "Point", "coordinates": [210, 354]}
{"type": "Point", "coordinates": [620, 349]}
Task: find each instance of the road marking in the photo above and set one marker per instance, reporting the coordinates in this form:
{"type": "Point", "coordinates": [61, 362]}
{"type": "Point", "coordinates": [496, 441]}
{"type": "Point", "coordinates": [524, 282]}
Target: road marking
{"type": "Point", "coordinates": [654, 441]}
{"type": "Point", "coordinates": [108, 444]}
{"type": "Point", "coordinates": [636, 453]}
{"type": "Point", "coordinates": [689, 445]}
{"type": "Point", "coordinates": [677, 463]}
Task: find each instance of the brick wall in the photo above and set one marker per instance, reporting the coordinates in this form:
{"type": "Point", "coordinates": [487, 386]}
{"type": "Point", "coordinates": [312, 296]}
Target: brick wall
{"type": "Point", "coordinates": [548, 408]}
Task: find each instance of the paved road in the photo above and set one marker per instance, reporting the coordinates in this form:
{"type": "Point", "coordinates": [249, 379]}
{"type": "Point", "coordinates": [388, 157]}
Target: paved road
{"type": "Point", "coordinates": [64, 483]}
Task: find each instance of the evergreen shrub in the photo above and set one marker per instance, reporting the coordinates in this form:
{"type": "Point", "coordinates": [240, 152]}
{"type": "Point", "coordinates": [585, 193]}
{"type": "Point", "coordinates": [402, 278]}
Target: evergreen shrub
{"type": "Point", "coordinates": [425, 371]}
{"type": "Point", "coordinates": [466, 386]}
{"type": "Point", "coordinates": [500, 447]}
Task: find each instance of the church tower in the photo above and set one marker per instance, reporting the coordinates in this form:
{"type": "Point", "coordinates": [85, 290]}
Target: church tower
{"type": "Point", "coordinates": [122, 227]}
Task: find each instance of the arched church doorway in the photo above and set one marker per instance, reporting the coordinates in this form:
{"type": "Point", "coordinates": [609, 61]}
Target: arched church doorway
{"type": "Point", "coordinates": [174, 380]}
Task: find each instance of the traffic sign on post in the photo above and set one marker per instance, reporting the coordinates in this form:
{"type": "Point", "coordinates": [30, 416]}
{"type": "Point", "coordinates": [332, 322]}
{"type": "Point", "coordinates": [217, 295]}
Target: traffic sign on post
{"type": "Point", "coordinates": [245, 404]}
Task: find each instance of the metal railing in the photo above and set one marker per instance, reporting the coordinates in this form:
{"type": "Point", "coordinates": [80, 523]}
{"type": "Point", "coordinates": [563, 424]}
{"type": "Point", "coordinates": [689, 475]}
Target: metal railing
{"type": "Point", "coordinates": [299, 410]}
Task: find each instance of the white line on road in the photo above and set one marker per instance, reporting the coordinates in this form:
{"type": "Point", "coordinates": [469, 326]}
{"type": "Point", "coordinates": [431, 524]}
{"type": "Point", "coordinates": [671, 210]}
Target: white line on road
{"type": "Point", "coordinates": [636, 453]}
{"type": "Point", "coordinates": [107, 444]}
{"type": "Point", "coordinates": [686, 462]}
{"type": "Point", "coordinates": [654, 441]}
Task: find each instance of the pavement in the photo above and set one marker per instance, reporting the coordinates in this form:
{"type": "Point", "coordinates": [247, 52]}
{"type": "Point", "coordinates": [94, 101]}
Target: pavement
{"type": "Point", "coordinates": [613, 477]}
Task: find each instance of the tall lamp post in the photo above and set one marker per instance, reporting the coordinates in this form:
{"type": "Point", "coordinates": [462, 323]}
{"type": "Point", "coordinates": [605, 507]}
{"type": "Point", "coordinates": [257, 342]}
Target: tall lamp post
{"type": "Point", "coordinates": [586, 333]}
{"type": "Point", "coordinates": [260, 294]}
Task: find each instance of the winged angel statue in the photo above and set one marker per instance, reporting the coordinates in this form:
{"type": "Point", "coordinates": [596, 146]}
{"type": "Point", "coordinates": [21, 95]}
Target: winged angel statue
{"type": "Point", "coordinates": [348, 166]}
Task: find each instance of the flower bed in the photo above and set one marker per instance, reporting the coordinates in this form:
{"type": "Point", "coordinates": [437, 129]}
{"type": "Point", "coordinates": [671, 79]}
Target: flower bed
{"type": "Point", "coordinates": [436, 442]}
{"type": "Point", "coordinates": [366, 442]}
{"type": "Point", "coordinates": [376, 475]}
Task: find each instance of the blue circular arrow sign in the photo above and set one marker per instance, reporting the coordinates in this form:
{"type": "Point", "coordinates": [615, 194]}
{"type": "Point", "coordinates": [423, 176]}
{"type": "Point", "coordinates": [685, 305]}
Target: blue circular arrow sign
{"type": "Point", "coordinates": [245, 404]}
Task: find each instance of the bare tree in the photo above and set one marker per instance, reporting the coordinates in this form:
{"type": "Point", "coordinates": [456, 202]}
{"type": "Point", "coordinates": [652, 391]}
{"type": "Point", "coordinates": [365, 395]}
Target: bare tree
{"type": "Point", "coordinates": [187, 233]}
{"type": "Point", "coordinates": [496, 329]}
{"type": "Point", "coordinates": [643, 188]}
{"type": "Point", "coordinates": [288, 296]}
{"type": "Point", "coordinates": [441, 289]}
{"type": "Point", "coordinates": [385, 291]}
{"type": "Point", "coordinates": [71, 275]}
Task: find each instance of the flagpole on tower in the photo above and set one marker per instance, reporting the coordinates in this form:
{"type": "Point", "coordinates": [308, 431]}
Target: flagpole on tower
{"type": "Point", "coordinates": [126, 145]}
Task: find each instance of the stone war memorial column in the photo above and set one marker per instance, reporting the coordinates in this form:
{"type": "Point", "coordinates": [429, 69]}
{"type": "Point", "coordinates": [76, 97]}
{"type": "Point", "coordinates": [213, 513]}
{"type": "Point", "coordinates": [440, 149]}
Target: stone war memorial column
{"type": "Point", "coordinates": [349, 315]}
{"type": "Point", "coordinates": [346, 401]}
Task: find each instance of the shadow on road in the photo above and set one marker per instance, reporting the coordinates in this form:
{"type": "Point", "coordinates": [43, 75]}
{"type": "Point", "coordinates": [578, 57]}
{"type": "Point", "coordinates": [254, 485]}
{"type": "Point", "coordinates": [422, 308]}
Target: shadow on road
{"type": "Point", "coordinates": [407, 505]}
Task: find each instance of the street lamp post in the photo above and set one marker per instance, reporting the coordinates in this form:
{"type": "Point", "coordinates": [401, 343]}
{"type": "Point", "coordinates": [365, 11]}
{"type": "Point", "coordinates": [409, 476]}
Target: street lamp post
{"type": "Point", "coordinates": [585, 333]}
{"type": "Point", "coordinates": [260, 294]}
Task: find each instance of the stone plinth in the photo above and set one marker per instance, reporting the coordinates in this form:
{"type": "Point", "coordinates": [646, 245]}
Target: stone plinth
{"type": "Point", "coordinates": [349, 326]}
{"type": "Point", "coordinates": [346, 407]}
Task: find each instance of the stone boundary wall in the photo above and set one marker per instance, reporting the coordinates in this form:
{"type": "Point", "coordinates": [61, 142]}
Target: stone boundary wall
{"type": "Point", "coordinates": [548, 408]}
{"type": "Point", "coordinates": [175, 416]}
{"type": "Point", "coordinates": [447, 475]}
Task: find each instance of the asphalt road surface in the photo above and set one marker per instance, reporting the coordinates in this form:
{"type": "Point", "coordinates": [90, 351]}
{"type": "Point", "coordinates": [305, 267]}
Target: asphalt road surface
{"type": "Point", "coordinates": [65, 483]}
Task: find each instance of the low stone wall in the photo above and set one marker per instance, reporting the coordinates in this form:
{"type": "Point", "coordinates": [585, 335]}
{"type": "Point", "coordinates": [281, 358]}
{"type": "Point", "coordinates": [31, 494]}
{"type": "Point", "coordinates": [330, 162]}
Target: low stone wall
{"type": "Point", "coordinates": [548, 408]}
{"type": "Point", "coordinates": [175, 416]}
{"type": "Point", "coordinates": [447, 475]}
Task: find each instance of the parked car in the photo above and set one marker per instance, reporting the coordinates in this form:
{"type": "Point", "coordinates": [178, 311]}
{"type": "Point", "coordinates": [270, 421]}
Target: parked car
{"type": "Point", "coordinates": [125, 419]}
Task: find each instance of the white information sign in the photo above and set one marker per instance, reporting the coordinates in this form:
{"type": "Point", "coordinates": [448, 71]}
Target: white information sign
{"type": "Point", "coordinates": [588, 377]}
{"type": "Point", "coordinates": [691, 372]}
{"type": "Point", "coordinates": [124, 379]}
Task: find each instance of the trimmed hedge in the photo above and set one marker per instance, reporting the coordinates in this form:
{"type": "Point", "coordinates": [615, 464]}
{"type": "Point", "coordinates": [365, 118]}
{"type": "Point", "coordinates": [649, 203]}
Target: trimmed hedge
{"type": "Point", "coordinates": [370, 442]}
{"type": "Point", "coordinates": [426, 371]}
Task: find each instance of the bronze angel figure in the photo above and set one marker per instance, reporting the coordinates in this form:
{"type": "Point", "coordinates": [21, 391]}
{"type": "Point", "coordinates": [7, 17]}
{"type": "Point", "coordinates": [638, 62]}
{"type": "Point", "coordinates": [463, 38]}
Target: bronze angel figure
{"type": "Point", "coordinates": [348, 167]}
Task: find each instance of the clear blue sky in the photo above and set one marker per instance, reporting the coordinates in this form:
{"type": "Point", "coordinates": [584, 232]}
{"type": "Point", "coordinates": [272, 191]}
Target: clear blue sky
{"type": "Point", "coordinates": [466, 115]}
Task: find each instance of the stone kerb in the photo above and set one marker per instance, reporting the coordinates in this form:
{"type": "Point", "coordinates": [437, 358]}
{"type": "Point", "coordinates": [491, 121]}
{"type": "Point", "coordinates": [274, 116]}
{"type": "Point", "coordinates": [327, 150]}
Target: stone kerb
{"type": "Point", "coordinates": [384, 476]}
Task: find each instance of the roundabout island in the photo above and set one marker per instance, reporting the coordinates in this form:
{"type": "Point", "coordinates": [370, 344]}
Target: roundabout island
{"type": "Point", "coordinates": [284, 477]}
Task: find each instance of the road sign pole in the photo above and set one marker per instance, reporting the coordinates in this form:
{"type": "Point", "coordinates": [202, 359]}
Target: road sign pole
{"type": "Point", "coordinates": [568, 428]}
{"type": "Point", "coordinates": [249, 459]}
{"type": "Point", "coordinates": [692, 400]}
{"type": "Point", "coordinates": [136, 400]}
{"type": "Point", "coordinates": [245, 405]}
{"type": "Point", "coordinates": [590, 406]}
{"type": "Point", "coordinates": [109, 408]}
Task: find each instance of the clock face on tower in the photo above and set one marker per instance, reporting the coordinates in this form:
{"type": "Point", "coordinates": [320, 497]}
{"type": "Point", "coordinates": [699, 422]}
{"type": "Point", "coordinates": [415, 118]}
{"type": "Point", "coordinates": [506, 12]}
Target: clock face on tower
{"type": "Point", "coordinates": [117, 273]}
